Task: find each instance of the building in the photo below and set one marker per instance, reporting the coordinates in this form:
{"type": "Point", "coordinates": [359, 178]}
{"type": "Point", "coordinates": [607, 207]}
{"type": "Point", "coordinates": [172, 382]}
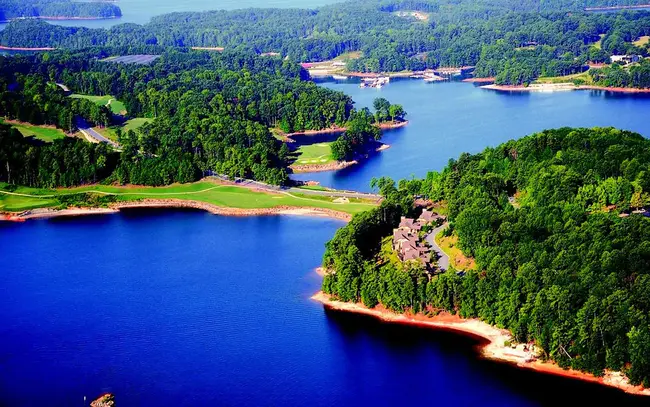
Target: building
{"type": "Point", "coordinates": [625, 59]}
{"type": "Point", "coordinates": [407, 244]}
{"type": "Point", "coordinates": [428, 217]}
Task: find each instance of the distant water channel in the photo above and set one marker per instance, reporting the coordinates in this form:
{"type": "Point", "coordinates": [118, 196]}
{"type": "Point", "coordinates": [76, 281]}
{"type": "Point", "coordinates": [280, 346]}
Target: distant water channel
{"type": "Point", "coordinates": [141, 11]}
{"type": "Point", "coordinates": [449, 118]}
{"type": "Point", "coordinates": [183, 308]}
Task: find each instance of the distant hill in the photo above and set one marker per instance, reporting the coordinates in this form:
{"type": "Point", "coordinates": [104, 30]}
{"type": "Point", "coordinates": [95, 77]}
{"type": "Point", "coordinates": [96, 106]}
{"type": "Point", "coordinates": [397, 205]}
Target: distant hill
{"type": "Point", "coordinates": [57, 9]}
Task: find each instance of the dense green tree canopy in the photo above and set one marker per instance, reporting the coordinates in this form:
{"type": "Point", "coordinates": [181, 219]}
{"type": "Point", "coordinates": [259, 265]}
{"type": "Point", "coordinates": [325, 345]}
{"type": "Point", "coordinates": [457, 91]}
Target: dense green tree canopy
{"type": "Point", "coordinates": [512, 40]}
{"type": "Point", "coordinates": [566, 266]}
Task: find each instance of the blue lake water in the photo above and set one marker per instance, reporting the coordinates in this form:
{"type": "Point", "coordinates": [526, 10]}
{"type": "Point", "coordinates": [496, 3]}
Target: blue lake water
{"type": "Point", "coordinates": [447, 119]}
{"type": "Point", "coordinates": [183, 308]}
{"type": "Point", "coordinates": [141, 11]}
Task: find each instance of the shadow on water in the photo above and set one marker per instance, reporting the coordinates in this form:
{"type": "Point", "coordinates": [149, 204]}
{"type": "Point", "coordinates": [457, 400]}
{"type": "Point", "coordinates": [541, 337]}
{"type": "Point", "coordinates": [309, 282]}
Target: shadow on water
{"type": "Point", "coordinates": [545, 389]}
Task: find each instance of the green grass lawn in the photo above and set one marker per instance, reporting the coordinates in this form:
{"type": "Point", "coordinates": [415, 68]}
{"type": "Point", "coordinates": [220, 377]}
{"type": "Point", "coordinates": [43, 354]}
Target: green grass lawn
{"type": "Point", "coordinates": [598, 44]}
{"type": "Point", "coordinates": [132, 124]}
{"type": "Point", "coordinates": [47, 134]}
{"type": "Point", "coordinates": [320, 153]}
{"type": "Point", "coordinates": [116, 106]}
{"type": "Point", "coordinates": [221, 195]}
{"type": "Point", "coordinates": [584, 76]}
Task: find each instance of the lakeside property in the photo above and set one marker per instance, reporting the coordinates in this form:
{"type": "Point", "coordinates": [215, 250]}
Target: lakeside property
{"type": "Point", "coordinates": [25, 203]}
{"type": "Point", "coordinates": [498, 342]}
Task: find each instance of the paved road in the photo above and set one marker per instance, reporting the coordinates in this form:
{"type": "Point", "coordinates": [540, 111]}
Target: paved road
{"type": "Point", "coordinates": [335, 194]}
{"type": "Point", "coordinates": [443, 259]}
{"type": "Point", "coordinates": [87, 131]}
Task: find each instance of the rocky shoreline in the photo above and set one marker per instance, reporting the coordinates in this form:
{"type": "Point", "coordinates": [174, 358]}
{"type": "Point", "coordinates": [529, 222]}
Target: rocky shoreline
{"type": "Point", "coordinates": [494, 346]}
{"type": "Point", "coordinates": [46, 213]}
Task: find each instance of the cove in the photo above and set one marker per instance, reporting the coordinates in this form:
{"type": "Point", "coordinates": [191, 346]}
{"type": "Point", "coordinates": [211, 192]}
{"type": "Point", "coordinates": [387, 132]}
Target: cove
{"type": "Point", "coordinates": [449, 118]}
{"type": "Point", "coordinates": [183, 308]}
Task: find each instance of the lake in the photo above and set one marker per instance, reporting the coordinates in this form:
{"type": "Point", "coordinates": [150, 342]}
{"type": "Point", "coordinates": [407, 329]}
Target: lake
{"type": "Point", "coordinates": [183, 308]}
{"type": "Point", "coordinates": [141, 11]}
{"type": "Point", "coordinates": [449, 118]}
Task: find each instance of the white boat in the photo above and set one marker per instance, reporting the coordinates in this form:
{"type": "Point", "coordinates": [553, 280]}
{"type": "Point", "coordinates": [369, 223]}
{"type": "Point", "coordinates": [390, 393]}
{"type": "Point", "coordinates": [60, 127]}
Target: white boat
{"type": "Point", "coordinates": [339, 77]}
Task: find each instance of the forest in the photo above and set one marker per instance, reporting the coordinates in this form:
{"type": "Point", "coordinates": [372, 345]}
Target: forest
{"type": "Point", "coordinates": [565, 262]}
{"type": "Point", "coordinates": [515, 42]}
{"type": "Point", "coordinates": [13, 9]}
{"type": "Point", "coordinates": [636, 76]}
{"type": "Point", "coordinates": [211, 113]}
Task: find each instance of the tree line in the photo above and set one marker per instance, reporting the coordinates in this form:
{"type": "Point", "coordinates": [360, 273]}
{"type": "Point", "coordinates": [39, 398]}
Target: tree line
{"type": "Point", "coordinates": [566, 267]}
{"type": "Point", "coordinates": [211, 112]}
{"type": "Point", "coordinates": [513, 41]}
{"type": "Point", "coordinates": [13, 9]}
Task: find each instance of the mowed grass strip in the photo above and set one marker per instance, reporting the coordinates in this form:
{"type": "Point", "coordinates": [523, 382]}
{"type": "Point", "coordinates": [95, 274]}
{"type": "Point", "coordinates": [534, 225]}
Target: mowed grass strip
{"type": "Point", "coordinates": [115, 105]}
{"type": "Point", "coordinates": [132, 124]}
{"type": "Point", "coordinates": [47, 134]}
{"type": "Point", "coordinates": [220, 195]}
{"type": "Point", "coordinates": [320, 153]}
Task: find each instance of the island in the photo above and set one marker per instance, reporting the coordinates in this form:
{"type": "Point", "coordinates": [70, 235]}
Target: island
{"type": "Point", "coordinates": [11, 10]}
{"type": "Point", "coordinates": [555, 225]}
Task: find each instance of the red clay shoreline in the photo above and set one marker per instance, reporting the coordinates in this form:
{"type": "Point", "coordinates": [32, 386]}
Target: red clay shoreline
{"type": "Point", "coordinates": [492, 341]}
{"type": "Point", "coordinates": [46, 213]}
{"type": "Point", "coordinates": [335, 130]}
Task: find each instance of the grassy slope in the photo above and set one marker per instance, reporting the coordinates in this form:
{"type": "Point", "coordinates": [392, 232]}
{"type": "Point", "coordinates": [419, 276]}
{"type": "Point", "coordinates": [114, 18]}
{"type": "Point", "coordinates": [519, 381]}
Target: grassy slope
{"type": "Point", "coordinates": [565, 79]}
{"type": "Point", "coordinates": [226, 196]}
{"type": "Point", "coordinates": [642, 41]}
{"type": "Point", "coordinates": [47, 134]}
{"type": "Point", "coordinates": [320, 153]}
{"type": "Point", "coordinates": [598, 44]}
{"type": "Point", "coordinates": [116, 106]}
{"type": "Point", "coordinates": [132, 124]}
{"type": "Point", "coordinates": [456, 257]}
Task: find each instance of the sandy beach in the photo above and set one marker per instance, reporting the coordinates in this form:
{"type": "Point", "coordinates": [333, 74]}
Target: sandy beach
{"type": "Point", "coordinates": [557, 87]}
{"type": "Point", "coordinates": [46, 213]}
{"type": "Point", "coordinates": [494, 342]}
{"type": "Point", "coordinates": [2, 47]}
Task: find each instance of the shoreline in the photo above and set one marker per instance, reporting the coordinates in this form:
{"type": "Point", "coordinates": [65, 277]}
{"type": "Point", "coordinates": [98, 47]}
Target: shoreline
{"type": "Point", "coordinates": [479, 80]}
{"type": "Point", "coordinates": [333, 166]}
{"type": "Point", "coordinates": [561, 87]}
{"type": "Point", "coordinates": [48, 213]}
{"type": "Point", "coordinates": [336, 130]}
{"type": "Point", "coordinates": [494, 342]}
{"type": "Point", "coordinates": [59, 18]}
{"type": "Point", "coordinates": [6, 48]}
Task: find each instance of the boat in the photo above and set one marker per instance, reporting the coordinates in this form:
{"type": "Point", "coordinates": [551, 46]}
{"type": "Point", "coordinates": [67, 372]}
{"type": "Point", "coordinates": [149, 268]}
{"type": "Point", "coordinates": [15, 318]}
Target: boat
{"type": "Point", "coordinates": [339, 77]}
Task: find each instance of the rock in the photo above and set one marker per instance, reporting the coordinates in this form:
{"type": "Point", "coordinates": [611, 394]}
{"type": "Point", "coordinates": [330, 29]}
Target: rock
{"type": "Point", "coordinates": [107, 400]}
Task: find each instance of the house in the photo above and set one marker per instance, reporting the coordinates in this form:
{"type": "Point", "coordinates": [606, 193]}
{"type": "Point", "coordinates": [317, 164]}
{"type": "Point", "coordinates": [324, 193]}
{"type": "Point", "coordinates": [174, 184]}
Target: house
{"type": "Point", "coordinates": [625, 59]}
{"type": "Point", "coordinates": [428, 217]}
{"type": "Point", "coordinates": [409, 224]}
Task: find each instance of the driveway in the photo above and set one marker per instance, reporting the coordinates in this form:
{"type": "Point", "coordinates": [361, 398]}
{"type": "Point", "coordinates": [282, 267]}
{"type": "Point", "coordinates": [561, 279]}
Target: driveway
{"type": "Point", "coordinates": [91, 134]}
{"type": "Point", "coordinates": [443, 259]}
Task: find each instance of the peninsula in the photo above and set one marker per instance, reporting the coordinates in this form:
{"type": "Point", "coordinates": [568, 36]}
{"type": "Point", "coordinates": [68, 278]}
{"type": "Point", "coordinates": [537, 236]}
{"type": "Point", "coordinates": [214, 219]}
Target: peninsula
{"type": "Point", "coordinates": [553, 225]}
{"type": "Point", "coordinates": [214, 195]}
